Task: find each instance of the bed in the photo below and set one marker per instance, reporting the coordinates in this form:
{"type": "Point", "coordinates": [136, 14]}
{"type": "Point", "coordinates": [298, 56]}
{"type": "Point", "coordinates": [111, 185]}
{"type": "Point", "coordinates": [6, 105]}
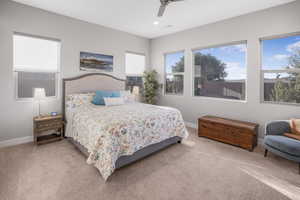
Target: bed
{"type": "Point", "coordinates": [114, 136]}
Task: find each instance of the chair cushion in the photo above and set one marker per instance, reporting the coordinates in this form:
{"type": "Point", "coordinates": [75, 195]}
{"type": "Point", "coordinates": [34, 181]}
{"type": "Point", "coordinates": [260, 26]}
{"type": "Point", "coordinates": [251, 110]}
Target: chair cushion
{"type": "Point", "coordinates": [283, 144]}
{"type": "Point", "coordinates": [278, 128]}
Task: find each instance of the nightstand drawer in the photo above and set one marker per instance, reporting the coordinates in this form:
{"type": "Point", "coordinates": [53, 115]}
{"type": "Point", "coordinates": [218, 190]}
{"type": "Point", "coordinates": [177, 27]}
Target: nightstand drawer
{"type": "Point", "coordinates": [49, 127]}
{"type": "Point", "coordinates": [49, 124]}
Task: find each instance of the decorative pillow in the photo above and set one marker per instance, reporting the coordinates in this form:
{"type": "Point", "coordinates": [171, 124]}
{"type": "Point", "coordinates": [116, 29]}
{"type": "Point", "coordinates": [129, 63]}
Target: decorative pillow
{"type": "Point", "coordinates": [128, 97]}
{"type": "Point", "coordinates": [113, 101]}
{"type": "Point", "coordinates": [75, 100]}
{"type": "Point", "coordinates": [295, 126]}
{"type": "Point", "coordinates": [293, 136]}
{"type": "Point", "coordinates": [99, 97]}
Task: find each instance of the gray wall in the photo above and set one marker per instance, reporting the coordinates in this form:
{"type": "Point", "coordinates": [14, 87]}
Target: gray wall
{"type": "Point", "coordinates": [16, 117]}
{"type": "Point", "coordinates": [76, 36]}
{"type": "Point", "coordinates": [278, 20]}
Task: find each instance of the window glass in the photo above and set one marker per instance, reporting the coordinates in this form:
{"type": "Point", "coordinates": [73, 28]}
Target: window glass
{"type": "Point", "coordinates": [279, 53]}
{"type": "Point", "coordinates": [27, 81]}
{"type": "Point", "coordinates": [281, 69]}
{"type": "Point", "coordinates": [132, 81]}
{"type": "Point", "coordinates": [221, 72]}
{"type": "Point", "coordinates": [174, 62]}
{"type": "Point", "coordinates": [174, 84]}
{"type": "Point", "coordinates": [282, 87]}
{"type": "Point", "coordinates": [174, 70]}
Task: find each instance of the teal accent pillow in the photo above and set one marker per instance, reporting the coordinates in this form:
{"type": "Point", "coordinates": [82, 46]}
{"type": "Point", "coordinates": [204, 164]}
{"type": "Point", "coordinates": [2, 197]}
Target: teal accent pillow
{"type": "Point", "coordinates": [99, 97]}
{"type": "Point", "coordinates": [116, 94]}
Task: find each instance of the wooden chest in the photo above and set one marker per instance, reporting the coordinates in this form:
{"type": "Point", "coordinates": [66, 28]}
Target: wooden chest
{"type": "Point", "coordinates": [238, 133]}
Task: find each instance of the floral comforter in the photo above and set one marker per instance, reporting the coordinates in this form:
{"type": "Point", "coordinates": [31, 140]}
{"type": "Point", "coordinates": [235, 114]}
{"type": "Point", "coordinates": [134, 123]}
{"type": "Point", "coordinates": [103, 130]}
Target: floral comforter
{"type": "Point", "coordinates": [111, 132]}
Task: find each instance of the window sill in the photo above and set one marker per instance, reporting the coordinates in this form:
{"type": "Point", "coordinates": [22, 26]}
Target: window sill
{"type": "Point", "coordinates": [280, 103]}
{"type": "Point", "coordinates": [220, 99]}
{"type": "Point", "coordinates": [24, 100]}
{"type": "Point", "coordinates": [134, 75]}
{"type": "Point", "coordinates": [176, 95]}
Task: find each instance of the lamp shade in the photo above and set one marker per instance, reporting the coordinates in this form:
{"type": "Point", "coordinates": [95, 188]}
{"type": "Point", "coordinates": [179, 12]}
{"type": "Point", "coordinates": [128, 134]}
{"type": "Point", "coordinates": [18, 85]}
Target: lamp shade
{"type": "Point", "coordinates": [39, 93]}
{"type": "Point", "coordinates": [135, 90]}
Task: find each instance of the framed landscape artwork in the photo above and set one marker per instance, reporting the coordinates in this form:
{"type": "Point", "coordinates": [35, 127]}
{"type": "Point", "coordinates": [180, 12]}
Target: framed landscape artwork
{"type": "Point", "coordinates": [96, 62]}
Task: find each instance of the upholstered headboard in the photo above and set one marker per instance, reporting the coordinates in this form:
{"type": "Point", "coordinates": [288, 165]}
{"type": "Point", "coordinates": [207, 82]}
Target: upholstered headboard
{"type": "Point", "coordinates": [90, 83]}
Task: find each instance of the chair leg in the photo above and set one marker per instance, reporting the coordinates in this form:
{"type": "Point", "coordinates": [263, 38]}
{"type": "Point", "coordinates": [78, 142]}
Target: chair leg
{"type": "Point", "coordinates": [266, 152]}
{"type": "Point", "coordinates": [299, 168]}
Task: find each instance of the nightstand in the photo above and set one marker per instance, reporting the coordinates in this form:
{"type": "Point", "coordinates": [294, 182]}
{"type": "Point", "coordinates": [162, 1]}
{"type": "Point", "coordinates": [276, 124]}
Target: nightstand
{"type": "Point", "coordinates": [48, 123]}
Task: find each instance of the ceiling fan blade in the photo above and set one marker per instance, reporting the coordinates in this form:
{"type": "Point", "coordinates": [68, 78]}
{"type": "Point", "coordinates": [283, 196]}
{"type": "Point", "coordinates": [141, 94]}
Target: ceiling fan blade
{"type": "Point", "coordinates": [161, 11]}
{"type": "Point", "coordinates": [175, 0]}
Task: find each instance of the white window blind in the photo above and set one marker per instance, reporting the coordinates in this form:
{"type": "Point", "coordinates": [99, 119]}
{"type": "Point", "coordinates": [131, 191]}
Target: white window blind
{"type": "Point", "coordinates": [135, 64]}
{"type": "Point", "coordinates": [35, 54]}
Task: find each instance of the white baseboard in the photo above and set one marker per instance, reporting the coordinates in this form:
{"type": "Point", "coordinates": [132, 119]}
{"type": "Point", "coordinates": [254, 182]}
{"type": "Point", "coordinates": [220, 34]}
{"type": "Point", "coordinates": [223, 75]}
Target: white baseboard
{"type": "Point", "coordinates": [28, 139]}
{"type": "Point", "coordinates": [191, 125]}
{"type": "Point", "coordinates": [16, 141]}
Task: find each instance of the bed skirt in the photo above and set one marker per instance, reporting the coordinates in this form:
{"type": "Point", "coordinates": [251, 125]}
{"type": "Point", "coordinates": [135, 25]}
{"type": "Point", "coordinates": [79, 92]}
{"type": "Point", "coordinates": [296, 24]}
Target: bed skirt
{"type": "Point", "coordinates": [142, 153]}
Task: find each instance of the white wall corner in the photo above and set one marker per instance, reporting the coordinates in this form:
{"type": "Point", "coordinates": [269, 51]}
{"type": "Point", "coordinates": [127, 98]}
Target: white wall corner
{"type": "Point", "coordinates": [16, 141]}
{"type": "Point", "coordinates": [260, 141]}
{"type": "Point", "coordinates": [191, 125]}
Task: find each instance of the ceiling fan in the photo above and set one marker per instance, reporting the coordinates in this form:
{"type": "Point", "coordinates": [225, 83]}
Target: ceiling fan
{"type": "Point", "coordinates": [163, 6]}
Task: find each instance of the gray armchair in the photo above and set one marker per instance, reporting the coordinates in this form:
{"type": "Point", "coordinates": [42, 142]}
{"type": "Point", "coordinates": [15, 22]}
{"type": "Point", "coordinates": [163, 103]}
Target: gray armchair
{"type": "Point", "coordinates": [278, 144]}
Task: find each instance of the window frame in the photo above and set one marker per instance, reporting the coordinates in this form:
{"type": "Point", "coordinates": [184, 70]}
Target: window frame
{"type": "Point", "coordinates": [135, 75]}
{"type": "Point", "coordinates": [217, 46]}
{"type": "Point", "coordinates": [57, 73]}
{"type": "Point", "coordinates": [177, 73]}
{"type": "Point", "coordinates": [266, 71]}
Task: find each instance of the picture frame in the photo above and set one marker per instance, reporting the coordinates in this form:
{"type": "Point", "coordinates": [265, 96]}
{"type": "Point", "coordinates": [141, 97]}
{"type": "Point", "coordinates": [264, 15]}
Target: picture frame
{"type": "Point", "coordinates": [96, 62]}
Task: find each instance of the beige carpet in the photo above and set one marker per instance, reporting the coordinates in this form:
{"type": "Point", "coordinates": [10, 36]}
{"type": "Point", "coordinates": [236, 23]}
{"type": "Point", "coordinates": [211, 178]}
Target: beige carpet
{"type": "Point", "coordinates": [196, 169]}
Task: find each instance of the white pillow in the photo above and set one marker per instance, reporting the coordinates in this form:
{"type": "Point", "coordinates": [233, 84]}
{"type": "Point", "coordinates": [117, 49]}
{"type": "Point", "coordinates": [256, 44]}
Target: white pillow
{"type": "Point", "coordinates": [113, 101]}
{"type": "Point", "coordinates": [128, 97]}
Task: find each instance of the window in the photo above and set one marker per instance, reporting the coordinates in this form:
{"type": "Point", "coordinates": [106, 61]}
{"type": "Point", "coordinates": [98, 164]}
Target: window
{"type": "Point", "coordinates": [134, 66]}
{"type": "Point", "coordinates": [220, 72]}
{"type": "Point", "coordinates": [281, 69]}
{"type": "Point", "coordinates": [36, 64]}
{"type": "Point", "coordinates": [174, 72]}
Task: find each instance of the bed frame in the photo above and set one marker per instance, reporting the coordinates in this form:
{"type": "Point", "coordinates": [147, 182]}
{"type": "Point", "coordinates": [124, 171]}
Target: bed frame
{"type": "Point", "coordinates": [100, 81]}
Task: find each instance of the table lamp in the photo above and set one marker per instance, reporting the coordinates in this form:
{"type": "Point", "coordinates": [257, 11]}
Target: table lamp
{"type": "Point", "coordinates": [39, 94]}
{"type": "Point", "coordinates": [136, 92]}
